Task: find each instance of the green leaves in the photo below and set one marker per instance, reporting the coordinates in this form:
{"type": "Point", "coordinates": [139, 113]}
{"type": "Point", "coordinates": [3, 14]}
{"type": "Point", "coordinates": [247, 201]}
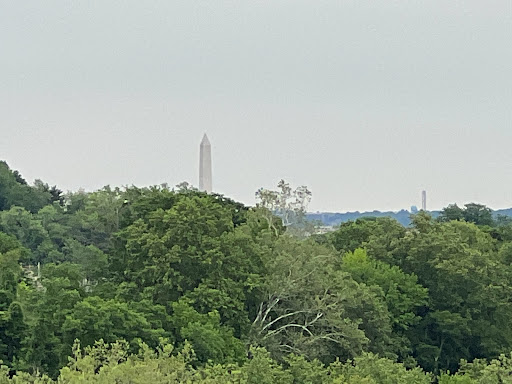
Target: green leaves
{"type": "Point", "coordinates": [468, 292]}
{"type": "Point", "coordinates": [94, 319]}
{"type": "Point", "coordinates": [210, 340]}
{"type": "Point", "coordinates": [215, 280]}
{"type": "Point", "coordinates": [369, 368]}
{"type": "Point", "coordinates": [401, 293]}
{"type": "Point", "coordinates": [14, 191]}
{"type": "Point", "coordinates": [312, 309]}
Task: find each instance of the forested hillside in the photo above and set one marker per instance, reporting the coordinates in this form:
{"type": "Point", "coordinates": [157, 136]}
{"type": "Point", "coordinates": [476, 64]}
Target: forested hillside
{"type": "Point", "coordinates": [139, 285]}
{"type": "Point", "coordinates": [403, 216]}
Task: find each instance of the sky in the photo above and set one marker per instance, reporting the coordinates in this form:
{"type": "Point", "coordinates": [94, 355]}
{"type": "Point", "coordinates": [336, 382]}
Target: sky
{"type": "Point", "coordinates": [366, 102]}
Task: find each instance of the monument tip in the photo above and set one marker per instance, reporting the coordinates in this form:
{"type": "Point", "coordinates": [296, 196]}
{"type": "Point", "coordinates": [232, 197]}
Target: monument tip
{"type": "Point", "coordinates": [205, 140]}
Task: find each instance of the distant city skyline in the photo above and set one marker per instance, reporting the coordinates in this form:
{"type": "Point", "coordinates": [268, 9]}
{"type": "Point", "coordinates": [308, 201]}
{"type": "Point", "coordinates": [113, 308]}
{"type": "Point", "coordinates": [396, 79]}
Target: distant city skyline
{"type": "Point", "coordinates": [367, 103]}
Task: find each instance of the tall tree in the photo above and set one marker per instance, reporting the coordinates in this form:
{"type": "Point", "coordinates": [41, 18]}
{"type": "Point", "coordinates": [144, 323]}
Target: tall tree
{"type": "Point", "coordinates": [12, 321]}
{"type": "Point", "coordinates": [288, 204]}
{"type": "Point", "coordinates": [468, 293]}
{"type": "Point", "coordinates": [404, 297]}
{"type": "Point", "coordinates": [311, 308]}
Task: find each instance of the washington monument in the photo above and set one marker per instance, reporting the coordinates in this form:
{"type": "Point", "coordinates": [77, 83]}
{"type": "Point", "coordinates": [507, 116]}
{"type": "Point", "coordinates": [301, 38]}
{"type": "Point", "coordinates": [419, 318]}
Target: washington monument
{"type": "Point", "coordinates": [205, 165]}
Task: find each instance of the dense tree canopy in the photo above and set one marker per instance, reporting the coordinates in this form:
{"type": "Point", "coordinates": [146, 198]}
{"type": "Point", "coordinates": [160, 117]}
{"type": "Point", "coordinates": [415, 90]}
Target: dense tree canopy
{"type": "Point", "coordinates": [169, 285]}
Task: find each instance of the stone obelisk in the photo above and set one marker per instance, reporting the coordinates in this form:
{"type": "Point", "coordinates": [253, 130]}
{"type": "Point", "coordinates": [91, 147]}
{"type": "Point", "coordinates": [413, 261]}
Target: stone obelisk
{"type": "Point", "coordinates": [205, 165]}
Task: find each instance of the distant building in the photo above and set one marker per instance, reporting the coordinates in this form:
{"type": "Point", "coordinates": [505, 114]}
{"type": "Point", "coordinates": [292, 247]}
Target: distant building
{"type": "Point", "coordinates": [424, 200]}
{"type": "Point", "coordinates": [414, 209]}
{"type": "Point", "coordinates": [205, 165]}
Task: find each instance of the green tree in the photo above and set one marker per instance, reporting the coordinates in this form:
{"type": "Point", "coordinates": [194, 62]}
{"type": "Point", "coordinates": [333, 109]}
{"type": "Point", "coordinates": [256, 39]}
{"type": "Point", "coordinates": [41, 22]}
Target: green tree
{"type": "Point", "coordinates": [289, 205]}
{"type": "Point", "coordinates": [14, 191]}
{"type": "Point", "coordinates": [211, 341]}
{"type": "Point", "coordinates": [47, 308]}
{"type": "Point", "coordinates": [29, 230]}
{"type": "Point", "coordinates": [468, 288]}
{"type": "Point", "coordinates": [472, 213]}
{"type": "Point", "coordinates": [94, 318]}
{"type": "Point", "coordinates": [451, 212]}
{"type": "Point", "coordinates": [12, 322]}
{"type": "Point", "coordinates": [401, 292]}
{"type": "Point", "coordinates": [371, 369]}
{"type": "Point", "coordinates": [311, 308]}
{"type": "Point", "coordinates": [478, 214]}
{"type": "Point", "coordinates": [92, 261]}
{"type": "Point", "coordinates": [379, 236]}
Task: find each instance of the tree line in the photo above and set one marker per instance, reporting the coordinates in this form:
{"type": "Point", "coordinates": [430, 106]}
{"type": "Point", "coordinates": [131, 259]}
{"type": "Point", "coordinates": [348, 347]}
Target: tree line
{"type": "Point", "coordinates": [175, 285]}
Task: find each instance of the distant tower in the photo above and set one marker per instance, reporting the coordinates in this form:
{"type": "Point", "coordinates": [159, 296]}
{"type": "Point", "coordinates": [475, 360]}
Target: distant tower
{"type": "Point", "coordinates": [205, 165]}
{"type": "Point", "coordinates": [424, 200]}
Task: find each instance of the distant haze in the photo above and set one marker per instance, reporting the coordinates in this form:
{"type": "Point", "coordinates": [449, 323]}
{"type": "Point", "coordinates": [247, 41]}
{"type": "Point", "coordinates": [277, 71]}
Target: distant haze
{"type": "Point", "coordinates": [365, 102]}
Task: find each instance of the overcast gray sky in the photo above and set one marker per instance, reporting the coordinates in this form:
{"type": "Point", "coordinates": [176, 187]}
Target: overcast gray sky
{"type": "Point", "coordinates": [365, 102]}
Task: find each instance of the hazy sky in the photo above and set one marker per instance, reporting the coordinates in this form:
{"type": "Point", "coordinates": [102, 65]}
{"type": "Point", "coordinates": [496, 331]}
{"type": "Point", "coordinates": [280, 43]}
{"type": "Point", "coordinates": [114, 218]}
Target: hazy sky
{"type": "Point", "coordinates": [365, 102]}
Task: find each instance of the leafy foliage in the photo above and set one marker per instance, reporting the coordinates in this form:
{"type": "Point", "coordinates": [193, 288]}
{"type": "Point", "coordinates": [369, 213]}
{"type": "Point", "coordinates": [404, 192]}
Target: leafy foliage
{"type": "Point", "coordinates": [164, 285]}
